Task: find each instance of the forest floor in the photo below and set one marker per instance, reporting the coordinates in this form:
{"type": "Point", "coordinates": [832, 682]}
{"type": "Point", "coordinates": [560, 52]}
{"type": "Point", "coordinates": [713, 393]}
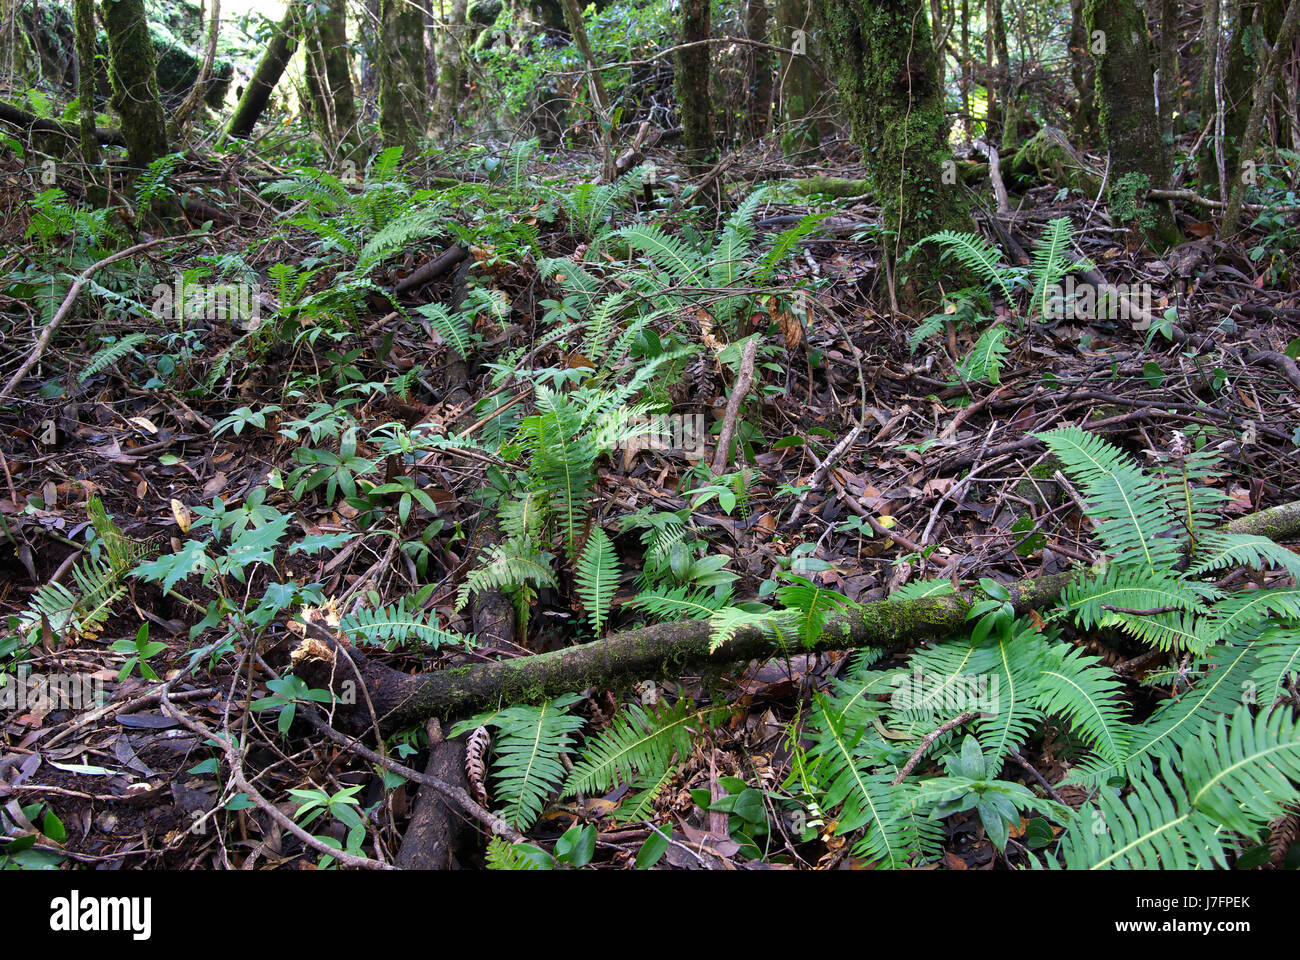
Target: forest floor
{"type": "Point", "coordinates": [945, 489]}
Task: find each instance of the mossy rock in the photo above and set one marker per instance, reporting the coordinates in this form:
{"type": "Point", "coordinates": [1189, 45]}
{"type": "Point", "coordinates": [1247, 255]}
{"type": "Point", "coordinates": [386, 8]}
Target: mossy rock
{"type": "Point", "coordinates": [483, 12]}
{"type": "Point", "coordinates": [1049, 155]}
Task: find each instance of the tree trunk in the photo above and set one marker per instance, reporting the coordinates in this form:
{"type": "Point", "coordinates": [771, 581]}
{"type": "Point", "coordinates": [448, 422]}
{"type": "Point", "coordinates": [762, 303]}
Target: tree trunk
{"type": "Point", "coordinates": [1168, 87]}
{"type": "Point", "coordinates": [1255, 125]}
{"type": "Point", "coordinates": [450, 67]}
{"type": "Point", "coordinates": [269, 70]}
{"type": "Point", "coordinates": [881, 52]}
{"type": "Point", "coordinates": [760, 69]}
{"type": "Point", "coordinates": [966, 69]}
{"type": "Point", "coordinates": [329, 79]}
{"type": "Point", "coordinates": [1007, 92]}
{"type": "Point", "coordinates": [1083, 75]}
{"type": "Point", "coordinates": [799, 85]}
{"type": "Point", "coordinates": [19, 60]}
{"type": "Point", "coordinates": [692, 83]}
{"type": "Point", "coordinates": [1210, 170]}
{"type": "Point", "coordinates": [132, 72]}
{"type": "Point", "coordinates": [1139, 159]}
{"type": "Point", "coordinates": [84, 22]}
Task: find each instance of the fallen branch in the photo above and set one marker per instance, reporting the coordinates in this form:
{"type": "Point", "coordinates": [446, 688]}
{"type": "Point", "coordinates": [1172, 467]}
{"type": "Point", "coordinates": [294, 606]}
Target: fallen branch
{"type": "Point", "coordinates": [744, 380]}
{"type": "Point", "coordinates": [29, 121]}
{"type": "Point", "coordinates": [669, 650]}
{"type": "Point", "coordinates": [66, 307]}
{"type": "Point", "coordinates": [661, 651]}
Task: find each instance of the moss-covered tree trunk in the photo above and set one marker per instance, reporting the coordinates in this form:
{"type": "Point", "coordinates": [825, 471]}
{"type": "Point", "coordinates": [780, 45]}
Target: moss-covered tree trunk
{"type": "Point", "coordinates": [17, 57]}
{"type": "Point", "coordinates": [329, 78]}
{"type": "Point", "coordinates": [760, 69]}
{"type": "Point", "coordinates": [270, 68]}
{"type": "Point", "coordinates": [888, 81]}
{"type": "Point", "coordinates": [799, 81]}
{"type": "Point", "coordinates": [84, 23]}
{"type": "Point", "coordinates": [1082, 75]}
{"type": "Point", "coordinates": [967, 121]}
{"type": "Point", "coordinates": [1139, 159]}
{"type": "Point", "coordinates": [692, 83]}
{"type": "Point", "coordinates": [451, 70]}
{"type": "Point", "coordinates": [1209, 171]}
{"type": "Point", "coordinates": [132, 71]}
{"type": "Point", "coordinates": [1257, 123]}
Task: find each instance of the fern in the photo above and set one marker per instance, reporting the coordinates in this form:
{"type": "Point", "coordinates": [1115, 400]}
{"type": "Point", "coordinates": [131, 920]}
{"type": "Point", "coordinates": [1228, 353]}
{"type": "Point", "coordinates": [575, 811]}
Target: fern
{"type": "Point", "coordinates": [412, 226]}
{"type": "Point", "coordinates": [1130, 515]}
{"type": "Point", "coordinates": [591, 205]}
{"type": "Point", "coordinates": [843, 763]}
{"type": "Point", "coordinates": [597, 577]}
{"type": "Point", "coordinates": [395, 625]}
{"type": "Point", "coordinates": [509, 566]}
{"type": "Point", "coordinates": [529, 744]}
{"type": "Point", "coordinates": [984, 362]}
{"type": "Point", "coordinates": [98, 581]}
{"type": "Point", "coordinates": [1235, 775]}
{"type": "Point", "coordinates": [111, 353]}
{"type": "Point", "coordinates": [682, 602]}
{"type": "Point", "coordinates": [978, 256]}
{"type": "Point", "coordinates": [1078, 687]}
{"type": "Point", "coordinates": [640, 741]}
{"type": "Point", "coordinates": [1050, 263]}
{"type": "Point", "coordinates": [454, 328]}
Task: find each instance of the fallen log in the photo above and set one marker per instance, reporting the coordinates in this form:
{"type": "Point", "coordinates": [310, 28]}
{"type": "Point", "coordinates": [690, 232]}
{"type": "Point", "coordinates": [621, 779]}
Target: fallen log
{"type": "Point", "coordinates": [661, 651]}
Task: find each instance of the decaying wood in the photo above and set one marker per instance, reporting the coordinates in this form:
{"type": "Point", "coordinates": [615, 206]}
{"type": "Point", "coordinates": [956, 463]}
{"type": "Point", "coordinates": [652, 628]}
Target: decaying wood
{"type": "Point", "coordinates": [661, 651]}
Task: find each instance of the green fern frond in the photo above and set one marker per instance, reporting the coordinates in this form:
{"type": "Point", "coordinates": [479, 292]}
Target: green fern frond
{"type": "Point", "coordinates": [1226, 672]}
{"type": "Point", "coordinates": [842, 759]}
{"type": "Point", "coordinates": [529, 744]}
{"type": "Point", "coordinates": [681, 603]}
{"type": "Point", "coordinates": [1080, 688]}
{"type": "Point", "coordinates": [394, 626]}
{"type": "Point", "coordinates": [640, 741]}
{"type": "Point", "coordinates": [984, 362]}
{"type": "Point", "coordinates": [454, 328]}
{"type": "Point", "coordinates": [646, 788]}
{"type": "Point", "coordinates": [401, 233]}
{"type": "Point", "coordinates": [1233, 614]}
{"type": "Point", "coordinates": [1132, 518]}
{"type": "Point", "coordinates": [1093, 601]}
{"type": "Point", "coordinates": [1219, 550]}
{"type": "Point", "coordinates": [597, 576]}
{"type": "Point", "coordinates": [976, 255]}
{"type": "Point", "coordinates": [111, 353]}
{"type": "Point", "coordinates": [1050, 262]}
{"type": "Point", "coordinates": [508, 566]}
{"type": "Point", "coordinates": [1278, 650]}
{"type": "Point", "coordinates": [1235, 775]}
{"type": "Point", "coordinates": [668, 254]}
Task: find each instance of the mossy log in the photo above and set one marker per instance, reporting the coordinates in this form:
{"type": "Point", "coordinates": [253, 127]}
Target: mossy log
{"type": "Point", "coordinates": [661, 651]}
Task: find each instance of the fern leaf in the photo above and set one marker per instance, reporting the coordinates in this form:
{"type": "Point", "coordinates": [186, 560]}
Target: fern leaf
{"type": "Point", "coordinates": [640, 741]}
{"type": "Point", "coordinates": [597, 577]}
{"type": "Point", "coordinates": [529, 744]}
{"type": "Point", "coordinates": [1131, 516]}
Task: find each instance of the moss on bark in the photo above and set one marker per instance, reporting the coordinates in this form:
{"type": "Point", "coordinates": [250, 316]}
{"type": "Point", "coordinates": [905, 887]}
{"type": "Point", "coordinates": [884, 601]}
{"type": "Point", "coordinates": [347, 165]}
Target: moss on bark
{"type": "Point", "coordinates": [888, 79]}
{"type": "Point", "coordinates": [403, 94]}
{"type": "Point", "coordinates": [1129, 126]}
{"type": "Point", "coordinates": [132, 72]}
